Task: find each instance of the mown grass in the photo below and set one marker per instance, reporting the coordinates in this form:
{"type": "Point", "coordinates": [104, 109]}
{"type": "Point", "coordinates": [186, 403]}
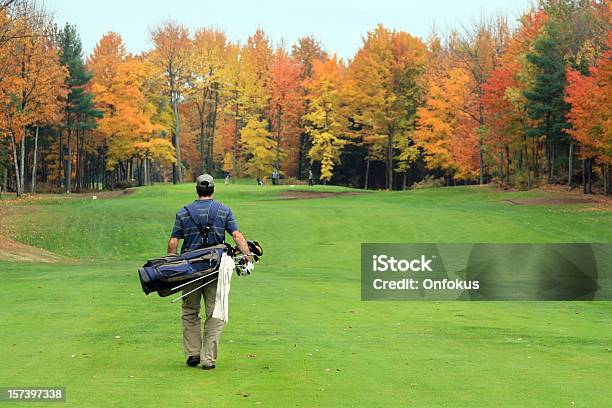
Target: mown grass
{"type": "Point", "coordinates": [298, 333]}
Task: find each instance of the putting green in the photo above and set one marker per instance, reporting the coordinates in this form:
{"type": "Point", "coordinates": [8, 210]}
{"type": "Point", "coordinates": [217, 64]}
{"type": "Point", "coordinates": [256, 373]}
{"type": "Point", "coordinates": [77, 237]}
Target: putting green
{"type": "Point", "coordinates": [298, 333]}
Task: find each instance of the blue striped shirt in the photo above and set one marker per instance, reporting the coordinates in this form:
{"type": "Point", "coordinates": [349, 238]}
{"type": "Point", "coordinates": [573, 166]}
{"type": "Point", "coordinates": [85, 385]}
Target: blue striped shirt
{"type": "Point", "coordinates": [186, 229]}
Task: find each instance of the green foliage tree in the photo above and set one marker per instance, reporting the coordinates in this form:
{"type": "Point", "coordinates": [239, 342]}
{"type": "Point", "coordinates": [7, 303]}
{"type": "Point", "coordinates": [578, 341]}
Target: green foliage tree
{"type": "Point", "coordinates": [80, 112]}
{"type": "Point", "coordinates": [546, 105]}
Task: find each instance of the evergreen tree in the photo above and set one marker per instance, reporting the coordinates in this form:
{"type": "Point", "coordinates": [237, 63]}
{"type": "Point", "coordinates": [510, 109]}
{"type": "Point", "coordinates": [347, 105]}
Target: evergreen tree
{"type": "Point", "coordinates": [79, 113]}
{"type": "Point", "coordinates": [545, 99]}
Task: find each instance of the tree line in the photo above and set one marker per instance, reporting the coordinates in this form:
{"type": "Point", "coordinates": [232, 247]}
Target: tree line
{"type": "Point", "coordinates": [517, 103]}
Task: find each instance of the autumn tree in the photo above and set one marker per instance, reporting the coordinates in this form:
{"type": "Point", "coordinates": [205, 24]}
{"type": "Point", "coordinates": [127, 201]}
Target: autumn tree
{"type": "Point", "coordinates": [256, 135]}
{"type": "Point", "coordinates": [208, 61]}
{"type": "Point", "coordinates": [447, 125]}
{"type": "Point", "coordinates": [235, 103]}
{"type": "Point", "coordinates": [383, 82]}
{"type": "Point", "coordinates": [307, 50]}
{"type": "Point", "coordinates": [324, 121]}
{"type": "Point", "coordinates": [589, 116]}
{"type": "Point", "coordinates": [32, 87]}
{"type": "Point", "coordinates": [475, 50]}
{"type": "Point", "coordinates": [128, 128]}
{"type": "Point", "coordinates": [285, 109]}
{"type": "Point", "coordinates": [171, 57]}
{"type": "Point", "coordinates": [260, 146]}
{"type": "Point", "coordinates": [505, 104]}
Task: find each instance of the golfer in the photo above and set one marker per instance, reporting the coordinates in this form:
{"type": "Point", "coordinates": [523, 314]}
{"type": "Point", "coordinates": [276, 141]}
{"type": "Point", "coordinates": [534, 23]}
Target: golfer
{"type": "Point", "coordinates": [186, 229]}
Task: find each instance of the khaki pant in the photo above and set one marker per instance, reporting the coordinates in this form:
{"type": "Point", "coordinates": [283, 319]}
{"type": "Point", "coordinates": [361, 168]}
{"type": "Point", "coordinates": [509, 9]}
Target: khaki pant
{"type": "Point", "coordinates": [192, 332]}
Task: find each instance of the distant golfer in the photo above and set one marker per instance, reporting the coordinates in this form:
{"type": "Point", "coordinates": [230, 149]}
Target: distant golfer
{"type": "Point", "coordinates": [275, 177]}
{"type": "Point", "coordinates": [186, 229]}
{"type": "Point", "coordinates": [310, 178]}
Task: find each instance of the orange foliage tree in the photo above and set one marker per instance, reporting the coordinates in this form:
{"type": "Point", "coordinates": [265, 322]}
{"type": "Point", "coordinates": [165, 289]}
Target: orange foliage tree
{"type": "Point", "coordinates": [32, 86]}
{"type": "Point", "coordinates": [590, 114]}
{"type": "Point", "coordinates": [285, 109]}
{"type": "Point", "coordinates": [127, 129]}
{"type": "Point", "coordinates": [447, 129]}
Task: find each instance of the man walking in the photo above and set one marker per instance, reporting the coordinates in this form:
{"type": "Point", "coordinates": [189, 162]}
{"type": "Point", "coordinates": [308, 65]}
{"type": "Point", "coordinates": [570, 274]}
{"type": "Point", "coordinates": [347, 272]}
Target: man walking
{"type": "Point", "coordinates": [310, 178]}
{"type": "Point", "coordinates": [185, 228]}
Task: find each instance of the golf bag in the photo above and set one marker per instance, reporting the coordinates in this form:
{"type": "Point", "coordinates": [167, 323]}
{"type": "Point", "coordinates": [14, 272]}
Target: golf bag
{"type": "Point", "coordinates": [172, 273]}
{"type": "Point", "coordinates": [169, 274]}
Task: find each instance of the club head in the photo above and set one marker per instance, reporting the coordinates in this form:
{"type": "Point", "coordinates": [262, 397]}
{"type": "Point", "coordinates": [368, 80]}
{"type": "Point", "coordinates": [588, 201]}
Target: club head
{"type": "Point", "coordinates": [255, 248]}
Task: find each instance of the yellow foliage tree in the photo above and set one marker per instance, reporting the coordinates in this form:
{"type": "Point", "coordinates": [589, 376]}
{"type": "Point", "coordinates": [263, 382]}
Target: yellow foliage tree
{"type": "Point", "coordinates": [324, 121]}
{"type": "Point", "coordinates": [260, 147]}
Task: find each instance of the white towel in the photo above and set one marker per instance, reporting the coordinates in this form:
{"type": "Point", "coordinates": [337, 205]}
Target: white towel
{"type": "Point", "coordinates": [226, 270]}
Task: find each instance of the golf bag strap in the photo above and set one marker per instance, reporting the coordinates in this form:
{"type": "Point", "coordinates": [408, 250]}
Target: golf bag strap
{"type": "Point", "coordinates": [210, 219]}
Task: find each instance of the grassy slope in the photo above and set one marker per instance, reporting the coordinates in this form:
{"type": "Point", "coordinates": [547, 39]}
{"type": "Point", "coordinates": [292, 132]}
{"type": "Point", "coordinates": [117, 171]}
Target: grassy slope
{"type": "Point", "coordinates": [315, 343]}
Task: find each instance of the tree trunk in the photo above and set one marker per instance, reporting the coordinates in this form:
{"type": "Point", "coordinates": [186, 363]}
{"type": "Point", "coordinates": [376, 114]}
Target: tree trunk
{"type": "Point", "coordinates": [552, 163]}
{"type": "Point", "coordinates": [300, 155]}
{"type": "Point", "coordinates": [480, 142]}
{"type": "Point", "coordinates": [178, 171]}
{"type": "Point", "coordinates": [235, 146]}
{"type": "Point", "coordinates": [202, 137]}
{"type": "Point", "coordinates": [68, 180]}
{"type": "Point", "coordinates": [278, 137]}
{"type": "Point", "coordinates": [212, 126]}
{"type": "Point", "coordinates": [81, 162]}
{"type": "Point", "coordinates": [584, 177]}
{"type": "Point", "coordinates": [22, 161]}
{"type": "Point", "coordinates": [145, 174]}
{"type": "Point", "coordinates": [404, 180]}
{"type": "Point", "coordinates": [604, 175]}
{"type": "Point", "coordinates": [508, 163]}
{"type": "Point", "coordinates": [151, 174]}
{"type": "Point", "coordinates": [527, 165]}
{"type": "Point", "coordinates": [78, 161]}
{"type": "Point", "coordinates": [202, 120]}
{"type": "Point", "coordinates": [569, 165]}
{"type": "Point", "coordinates": [16, 163]}
{"type": "Point", "coordinates": [501, 167]}
{"type": "Point", "coordinates": [608, 177]}
{"type": "Point", "coordinates": [590, 176]}
{"type": "Point", "coordinates": [5, 179]}
{"type": "Point", "coordinates": [367, 173]}
{"type": "Point", "coordinates": [34, 161]}
{"type": "Point", "coordinates": [390, 161]}
{"type": "Point", "coordinates": [61, 170]}
{"type": "Point", "coordinates": [534, 161]}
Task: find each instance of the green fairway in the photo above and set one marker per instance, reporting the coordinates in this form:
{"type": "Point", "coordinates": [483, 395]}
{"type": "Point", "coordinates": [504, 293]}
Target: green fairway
{"type": "Point", "coordinates": [298, 333]}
